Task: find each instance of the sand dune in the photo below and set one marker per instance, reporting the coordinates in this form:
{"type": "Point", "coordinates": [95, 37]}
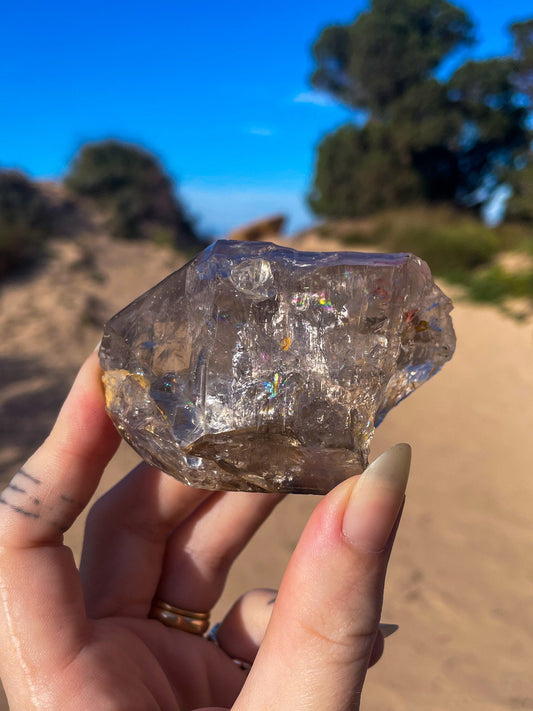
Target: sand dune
{"type": "Point", "coordinates": [461, 578]}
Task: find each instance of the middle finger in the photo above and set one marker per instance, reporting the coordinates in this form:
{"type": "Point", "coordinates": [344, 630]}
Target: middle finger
{"type": "Point", "coordinates": [125, 539]}
{"type": "Point", "coordinates": [151, 530]}
{"type": "Point", "coordinates": [200, 552]}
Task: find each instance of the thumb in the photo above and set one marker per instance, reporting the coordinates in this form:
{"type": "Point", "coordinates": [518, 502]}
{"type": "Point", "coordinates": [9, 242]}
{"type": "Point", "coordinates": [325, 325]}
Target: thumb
{"type": "Point", "coordinates": [318, 644]}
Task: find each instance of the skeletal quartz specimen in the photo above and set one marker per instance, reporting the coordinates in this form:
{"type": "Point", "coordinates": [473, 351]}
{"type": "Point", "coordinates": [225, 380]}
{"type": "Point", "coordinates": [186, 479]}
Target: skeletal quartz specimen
{"type": "Point", "coordinates": [260, 368]}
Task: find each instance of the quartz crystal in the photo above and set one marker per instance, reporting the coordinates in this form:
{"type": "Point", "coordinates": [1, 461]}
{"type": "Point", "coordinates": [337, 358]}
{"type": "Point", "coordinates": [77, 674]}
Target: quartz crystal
{"type": "Point", "coordinates": [261, 368]}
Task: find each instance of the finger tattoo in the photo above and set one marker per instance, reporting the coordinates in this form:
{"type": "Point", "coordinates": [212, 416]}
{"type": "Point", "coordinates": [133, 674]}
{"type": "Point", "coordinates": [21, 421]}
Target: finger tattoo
{"type": "Point", "coordinates": [22, 495]}
{"type": "Point", "coordinates": [20, 498]}
{"type": "Point", "coordinates": [24, 473]}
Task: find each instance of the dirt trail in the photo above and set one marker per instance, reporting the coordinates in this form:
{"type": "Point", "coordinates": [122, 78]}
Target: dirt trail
{"type": "Point", "coordinates": [461, 578]}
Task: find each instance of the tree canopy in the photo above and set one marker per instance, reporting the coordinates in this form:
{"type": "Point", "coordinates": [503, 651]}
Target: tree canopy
{"type": "Point", "coordinates": [418, 137]}
{"type": "Point", "coordinates": [132, 187]}
{"type": "Point", "coordinates": [523, 55]}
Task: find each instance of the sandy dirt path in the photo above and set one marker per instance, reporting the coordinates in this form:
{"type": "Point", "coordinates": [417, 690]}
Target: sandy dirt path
{"type": "Point", "coordinates": [460, 584]}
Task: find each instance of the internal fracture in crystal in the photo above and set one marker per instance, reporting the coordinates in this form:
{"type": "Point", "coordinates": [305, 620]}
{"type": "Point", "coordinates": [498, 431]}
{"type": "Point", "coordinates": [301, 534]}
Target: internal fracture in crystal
{"type": "Point", "coordinates": [260, 368]}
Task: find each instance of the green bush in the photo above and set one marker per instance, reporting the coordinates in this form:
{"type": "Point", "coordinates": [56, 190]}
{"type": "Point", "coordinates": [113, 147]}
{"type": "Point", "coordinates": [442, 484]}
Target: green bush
{"type": "Point", "coordinates": [25, 222]}
{"type": "Point", "coordinates": [520, 205]}
{"type": "Point", "coordinates": [357, 237]}
{"type": "Point", "coordinates": [448, 251]}
{"type": "Point", "coordinates": [495, 285]}
{"type": "Point", "coordinates": [456, 246]}
{"type": "Point", "coordinates": [515, 236]}
{"type": "Point", "coordinates": [451, 242]}
{"type": "Point", "coordinates": [130, 185]}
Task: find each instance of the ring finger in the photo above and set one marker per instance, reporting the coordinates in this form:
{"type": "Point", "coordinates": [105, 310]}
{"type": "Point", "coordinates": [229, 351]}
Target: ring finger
{"type": "Point", "coordinates": [151, 523]}
{"type": "Point", "coordinates": [242, 630]}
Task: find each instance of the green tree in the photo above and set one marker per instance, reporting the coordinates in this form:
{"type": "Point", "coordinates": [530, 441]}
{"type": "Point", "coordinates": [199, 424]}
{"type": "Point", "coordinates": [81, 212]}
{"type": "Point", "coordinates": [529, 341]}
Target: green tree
{"type": "Point", "coordinates": [390, 48]}
{"type": "Point", "coordinates": [520, 205]}
{"type": "Point", "coordinates": [359, 171]}
{"type": "Point", "coordinates": [26, 221]}
{"type": "Point", "coordinates": [443, 140]}
{"type": "Point", "coordinates": [135, 192]}
{"type": "Point", "coordinates": [523, 54]}
{"type": "Point", "coordinates": [494, 132]}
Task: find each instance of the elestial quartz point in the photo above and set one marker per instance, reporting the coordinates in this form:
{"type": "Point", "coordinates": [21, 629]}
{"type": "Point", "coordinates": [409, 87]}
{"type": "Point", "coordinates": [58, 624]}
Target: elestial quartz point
{"type": "Point", "coordinates": [260, 368]}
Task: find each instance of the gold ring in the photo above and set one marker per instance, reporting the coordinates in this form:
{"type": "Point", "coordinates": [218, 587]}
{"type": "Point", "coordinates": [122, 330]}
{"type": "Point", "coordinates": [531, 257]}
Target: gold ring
{"type": "Point", "coordinates": [178, 618]}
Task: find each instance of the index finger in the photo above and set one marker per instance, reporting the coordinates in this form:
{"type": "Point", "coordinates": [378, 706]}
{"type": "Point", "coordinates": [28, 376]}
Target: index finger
{"type": "Point", "coordinates": [42, 610]}
{"type": "Point", "coordinates": [48, 493]}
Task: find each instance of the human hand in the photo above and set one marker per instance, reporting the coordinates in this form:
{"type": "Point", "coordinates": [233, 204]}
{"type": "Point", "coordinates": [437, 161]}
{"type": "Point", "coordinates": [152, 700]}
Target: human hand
{"type": "Point", "coordinates": [86, 641]}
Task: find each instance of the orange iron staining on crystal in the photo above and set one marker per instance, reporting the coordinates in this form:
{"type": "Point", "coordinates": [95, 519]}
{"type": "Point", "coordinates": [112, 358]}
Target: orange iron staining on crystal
{"type": "Point", "coordinates": [422, 326]}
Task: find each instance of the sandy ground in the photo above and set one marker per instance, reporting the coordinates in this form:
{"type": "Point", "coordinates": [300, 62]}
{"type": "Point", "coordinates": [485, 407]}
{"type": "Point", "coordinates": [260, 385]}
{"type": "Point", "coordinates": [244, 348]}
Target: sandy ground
{"type": "Point", "coordinates": [460, 581]}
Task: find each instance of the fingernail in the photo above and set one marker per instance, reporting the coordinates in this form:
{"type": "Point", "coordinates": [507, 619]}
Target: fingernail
{"type": "Point", "coordinates": [98, 345]}
{"type": "Point", "coordinates": [387, 629]}
{"type": "Point", "coordinates": [390, 469]}
{"type": "Point", "coordinates": [376, 499]}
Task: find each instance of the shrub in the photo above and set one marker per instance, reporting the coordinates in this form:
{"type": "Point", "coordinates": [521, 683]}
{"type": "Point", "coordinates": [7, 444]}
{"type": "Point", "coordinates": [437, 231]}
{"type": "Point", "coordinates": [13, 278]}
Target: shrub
{"type": "Point", "coordinates": [495, 285]}
{"type": "Point", "coordinates": [25, 222]}
{"type": "Point", "coordinates": [515, 236]}
{"type": "Point", "coordinates": [448, 251]}
{"type": "Point", "coordinates": [520, 205]}
{"type": "Point", "coordinates": [451, 242]}
{"type": "Point", "coordinates": [133, 190]}
{"type": "Point", "coordinates": [357, 237]}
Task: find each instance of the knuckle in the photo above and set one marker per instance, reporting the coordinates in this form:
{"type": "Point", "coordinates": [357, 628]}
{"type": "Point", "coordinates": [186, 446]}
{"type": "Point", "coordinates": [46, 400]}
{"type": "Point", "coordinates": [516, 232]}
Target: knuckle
{"type": "Point", "coordinates": [346, 642]}
{"type": "Point", "coordinates": [107, 514]}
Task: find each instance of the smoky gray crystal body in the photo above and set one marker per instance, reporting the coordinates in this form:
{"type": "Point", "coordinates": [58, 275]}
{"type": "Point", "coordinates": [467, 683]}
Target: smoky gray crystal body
{"type": "Point", "coordinates": [260, 368]}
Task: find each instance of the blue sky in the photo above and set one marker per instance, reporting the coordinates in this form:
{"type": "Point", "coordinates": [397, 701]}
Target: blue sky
{"type": "Point", "coordinates": [218, 90]}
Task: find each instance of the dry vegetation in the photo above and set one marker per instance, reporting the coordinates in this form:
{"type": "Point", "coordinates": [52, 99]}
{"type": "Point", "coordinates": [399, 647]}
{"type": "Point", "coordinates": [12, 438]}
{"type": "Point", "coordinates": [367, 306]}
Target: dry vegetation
{"type": "Point", "coordinates": [491, 265]}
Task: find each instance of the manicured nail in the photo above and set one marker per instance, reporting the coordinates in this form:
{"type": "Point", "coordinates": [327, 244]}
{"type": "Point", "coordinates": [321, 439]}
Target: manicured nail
{"type": "Point", "coordinates": [376, 500]}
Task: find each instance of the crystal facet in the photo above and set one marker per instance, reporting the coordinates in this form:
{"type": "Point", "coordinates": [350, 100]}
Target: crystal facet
{"type": "Point", "coordinates": [260, 368]}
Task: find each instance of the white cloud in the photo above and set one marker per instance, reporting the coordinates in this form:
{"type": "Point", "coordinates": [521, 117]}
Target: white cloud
{"type": "Point", "coordinates": [317, 98]}
{"type": "Point", "coordinates": [260, 131]}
